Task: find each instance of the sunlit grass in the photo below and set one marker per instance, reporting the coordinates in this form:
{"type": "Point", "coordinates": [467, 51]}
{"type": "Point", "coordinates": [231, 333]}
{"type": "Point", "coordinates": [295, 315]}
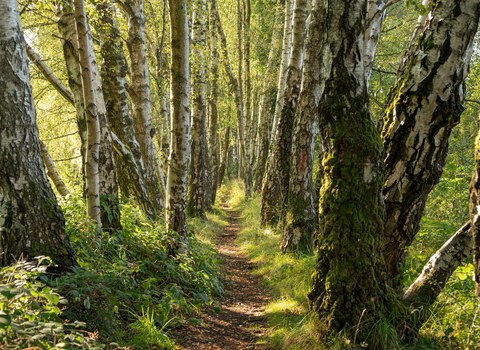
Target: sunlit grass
{"type": "Point", "coordinates": [288, 281]}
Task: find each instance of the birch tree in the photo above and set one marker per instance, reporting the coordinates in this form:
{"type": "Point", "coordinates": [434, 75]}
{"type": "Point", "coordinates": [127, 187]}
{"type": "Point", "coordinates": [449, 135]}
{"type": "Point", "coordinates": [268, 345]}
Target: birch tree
{"type": "Point", "coordinates": [276, 179]}
{"type": "Point", "coordinates": [197, 180]}
{"type": "Point", "coordinates": [90, 103]}
{"type": "Point", "coordinates": [422, 108]}
{"type": "Point", "coordinates": [176, 196]}
{"type": "Point", "coordinates": [31, 222]}
{"type": "Point", "coordinates": [266, 98]}
{"type": "Point", "coordinates": [139, 92]}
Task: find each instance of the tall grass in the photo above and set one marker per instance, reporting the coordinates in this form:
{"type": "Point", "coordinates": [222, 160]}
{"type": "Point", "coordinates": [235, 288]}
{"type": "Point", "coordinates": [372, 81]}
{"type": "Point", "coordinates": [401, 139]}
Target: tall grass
{"type": "Point", "coordinates": [287, 278]}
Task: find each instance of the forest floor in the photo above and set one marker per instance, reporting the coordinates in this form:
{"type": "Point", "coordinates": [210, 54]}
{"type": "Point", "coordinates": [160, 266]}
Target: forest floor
{"type": "Point", "coordinates": [242, 323]}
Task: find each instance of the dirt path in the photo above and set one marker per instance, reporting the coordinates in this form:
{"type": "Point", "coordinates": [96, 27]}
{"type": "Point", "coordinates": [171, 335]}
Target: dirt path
{"type": "Point", "coordinates": [241, 323]}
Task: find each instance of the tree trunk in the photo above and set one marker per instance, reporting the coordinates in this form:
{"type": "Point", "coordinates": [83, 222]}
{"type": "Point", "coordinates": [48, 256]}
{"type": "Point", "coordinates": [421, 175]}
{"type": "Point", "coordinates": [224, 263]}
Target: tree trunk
{"type": "Point", "coordinates": [247, 100]}
{"type": "Point", "coordinates": [52, 172]}
{"type": "Point", "coordinates": [131, 172]}
{"type": "Point", "coordinates": [180, 138]}
{"type": "Point", "coordinates": [301, 217]}
{"type": "Point", "coordinates": [197, 179]}
{"type": "Point", "coordinates": [349, 279]}
{"type": "Point", "coordinates": [31, 222]}
{"type": "Point", "coordinates": [47, 72]}
{"type": "Point", "coordinates": [423, 107]}
{"type": "Point", "coordinates": [213, 101]}
{"type": "Point", "coordinates": [436, 273]}
{"type": "Point", "coordinates": [108, 185]}
{"type": "Point", "coordinates": [275, 183]}
{"type": "Point", "coordinates": [139, 92]}
{"type": "Point", "coordinates": [91, 112]}
{"type": "Point", "coordinates": [284, 63]}
{"type": "Point", "coordinates": [223, 159]}
{"type": "Point", "coordinates": [475, 216]}
{"type": "Point", "coordinates": [233, 82]}
{"type": "Point", "coordinates": [266, 99]}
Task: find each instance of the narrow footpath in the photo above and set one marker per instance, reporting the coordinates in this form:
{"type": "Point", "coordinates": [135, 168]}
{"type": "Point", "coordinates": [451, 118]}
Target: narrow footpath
{"type": "Point", "coordinates": [241, 323]}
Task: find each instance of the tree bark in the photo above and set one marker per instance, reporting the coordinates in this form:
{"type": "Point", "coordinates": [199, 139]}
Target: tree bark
{"type": "Point", "coordinates": [108, 185]}
{"type": "Point", "coordinates": [436, 273]}
{"type": "Point", "coordinates": [349, 279]}
{"type": "Point", "coordinates": [139, 92]}
{"type": "Point", "coordinates": [233, 82]}
{"type": "Point", "coordinates": [213, 101]}
{"type": "Point", "coordinates": [223, 159]}
{"type": "Point", "coordinates": [276, 179]}
{"type": "Point", "coordinates": [31, 222]}
{"type": "Point", "coordinates": [266, 99]}
{"type": "Point", "coordinates": [90, 103]}
{"type": "Point", "coordinates": [131, 172]}
{"type": "Point", "coordinates": [423, 107]}
{"type": "Point", "coordinates": [249, 123]}
{"type": "Point", "coordinates": [47, 72]}
{"type": "Point", "coordinates": [301, 217]}
{"type": "Point", "coordinates": [475, 216]}
{"type": "Point", "coordinates": [284, 63]}
{"type": "Point", "coordinates": [52, 171]}
{"type": "Point", "coordinates": [197, 180]}
{"type": "Point", "coordinates": [180, 137]}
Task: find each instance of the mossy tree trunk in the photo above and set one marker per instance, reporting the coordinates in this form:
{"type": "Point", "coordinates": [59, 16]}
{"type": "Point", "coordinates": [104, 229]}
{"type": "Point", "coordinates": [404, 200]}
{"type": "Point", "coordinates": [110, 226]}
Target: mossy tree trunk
{"type": "Point", "coordinates": [423, 107]}
{"type": "Point", "coordinates": [349, 278]}
{"type": "Point", "coordinates": [276, 179]}
{"type": "Point", "coordinates": [475, 216]}
{"type": "Point", "coordinates": [223, 158]}
{"type": "Point", "coordinates": [196, 205]}
{"type": "Point", "coordinates": [31, 222]}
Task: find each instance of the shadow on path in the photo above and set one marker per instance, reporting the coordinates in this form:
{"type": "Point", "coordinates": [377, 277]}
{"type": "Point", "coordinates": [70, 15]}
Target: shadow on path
{"type": "Point", "coordinates": [241, 323]}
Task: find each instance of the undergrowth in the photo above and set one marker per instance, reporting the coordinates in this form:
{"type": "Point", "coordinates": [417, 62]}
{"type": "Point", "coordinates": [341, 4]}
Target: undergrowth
{"type": "Point", "coordinates": [287, 278]}
{"type": "Point", "coordinates": [125, 294]}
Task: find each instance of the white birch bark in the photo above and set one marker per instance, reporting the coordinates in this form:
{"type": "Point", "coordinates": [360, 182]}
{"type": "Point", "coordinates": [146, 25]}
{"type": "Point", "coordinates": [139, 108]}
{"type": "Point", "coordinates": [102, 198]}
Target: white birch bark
{"type": "Point", "coordinates": [265, 99]}
{"type": "Point", "coordinates": [196, 205]}
{"type": "Point", "coordinates": [31, 222]}
{"type": "Point", "coordinates": [93, 126]}
{"type": "Point", "coordinates": [180, 137]}
{"type": "Point", "coordinates": [284, 63]}
{"type": "Point", "coordinates": [422, 108]}
{"type": "Point", "coordinates": [233, 82]}
{"type": "Point", "coordinates": [52, 171]}
{"type": "Point", "coordinates": [139, 92]}
{"type": "Point", "coordinates": [276, 179]}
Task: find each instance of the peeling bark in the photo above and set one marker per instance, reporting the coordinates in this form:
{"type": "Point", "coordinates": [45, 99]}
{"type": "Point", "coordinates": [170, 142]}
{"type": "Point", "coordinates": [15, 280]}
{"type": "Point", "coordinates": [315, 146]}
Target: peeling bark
{"type": "Point", "coordinates": [31, 222]}
{"type": "Point", "coordinates": [423, 107]}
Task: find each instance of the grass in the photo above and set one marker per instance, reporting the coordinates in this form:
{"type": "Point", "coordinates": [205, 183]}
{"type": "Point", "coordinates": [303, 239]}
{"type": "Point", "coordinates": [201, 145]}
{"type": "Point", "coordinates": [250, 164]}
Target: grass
{"type": "Point", "coordinates": [125, 294]}
{"type": "Point", "coordinates": [287, 278]}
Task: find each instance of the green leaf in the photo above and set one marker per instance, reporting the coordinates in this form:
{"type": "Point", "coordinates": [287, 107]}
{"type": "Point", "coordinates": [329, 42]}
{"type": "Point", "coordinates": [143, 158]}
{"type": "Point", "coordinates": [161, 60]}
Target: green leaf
{"type": "Point", "coordinates": [5, 321]}
{"type": "Point", "coordinates": [217, 309]}
{"type": "Point", "coordinates": [194, 321]}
